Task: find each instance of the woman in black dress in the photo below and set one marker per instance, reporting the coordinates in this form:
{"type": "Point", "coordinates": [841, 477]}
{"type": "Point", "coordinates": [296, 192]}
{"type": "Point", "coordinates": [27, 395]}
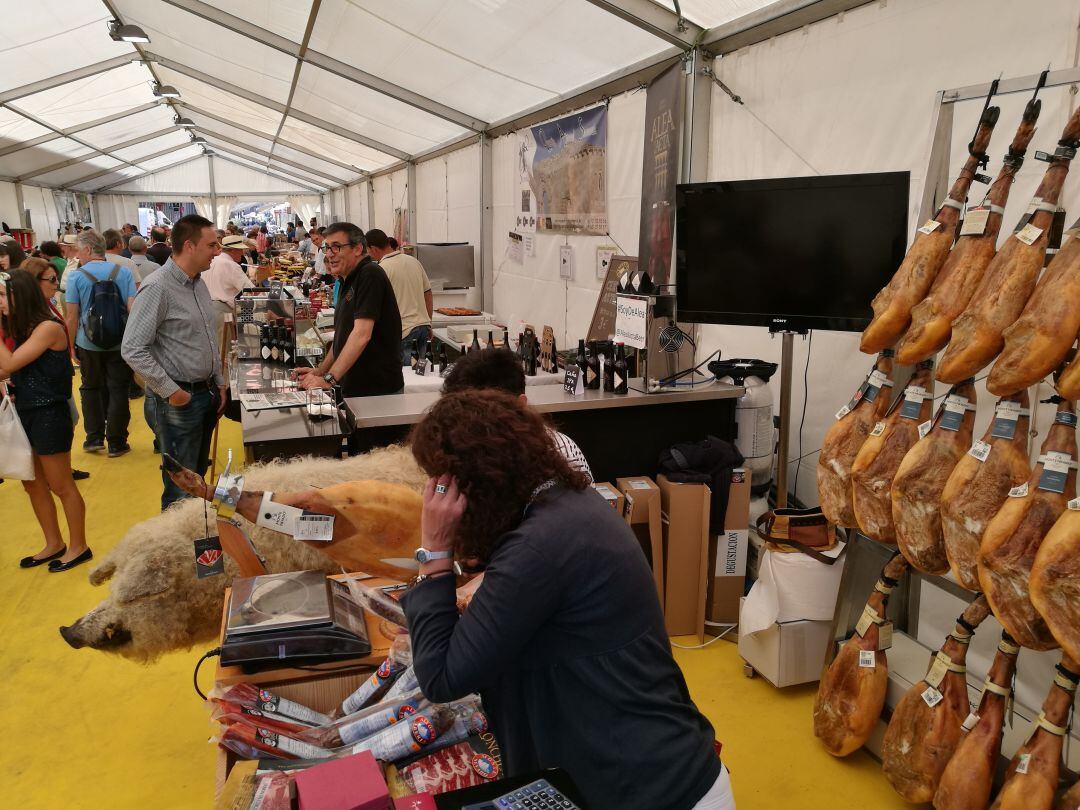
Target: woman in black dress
{"type": "Point", "coordinates": [565, 639]}
{"type": "Point", "coordinates": [39, 364]}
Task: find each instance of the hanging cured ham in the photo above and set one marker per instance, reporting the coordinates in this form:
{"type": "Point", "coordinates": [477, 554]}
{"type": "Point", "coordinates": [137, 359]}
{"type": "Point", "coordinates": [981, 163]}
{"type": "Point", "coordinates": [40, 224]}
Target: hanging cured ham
{"type": "Point", "coordinates": [978, 334]}
{"type": "Point", "coordinates": [843, 440]}
{"type": "Point", "coordinates": [925, 727]}
{"type": "Point", "coordinates": [980, 483]}
{"type": "Point", "coordinates": [1068, 384]}
{"type": "Point", "coordinates": [1071, 799]}
{"type": "Point", "coordinates": [852, 690]}
{"type": "Point", "coordinates": [375, 522]}
{"type": "Point", "coordinates": [968, 778]}
{"type": "Point", "coordinates": [880, 456]}
{"type": "Point", "coordinates": [1013, 537]}
{"type": "Point", "coordinates": [921, 478]}
{"type": "Point", "coordinates": [1055, 580]}
{"type": "Point", "coordinates": [1031, 779]}
{"type": "Point", "coordinates": [1043, 334]}
{"type": "Point", "coordinates": [931, 319]}
{"type": "Point", "coordinates": [928, 252]}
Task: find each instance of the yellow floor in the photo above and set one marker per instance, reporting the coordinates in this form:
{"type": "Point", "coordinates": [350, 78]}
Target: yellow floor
{"type": "Point", "coordinates": [88, 730]}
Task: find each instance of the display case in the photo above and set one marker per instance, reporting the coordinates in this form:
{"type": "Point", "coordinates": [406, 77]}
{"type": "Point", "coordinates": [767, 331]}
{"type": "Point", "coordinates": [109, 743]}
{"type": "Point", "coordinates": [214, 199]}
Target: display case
{"type": "Point", "coordinates": [276, 323]}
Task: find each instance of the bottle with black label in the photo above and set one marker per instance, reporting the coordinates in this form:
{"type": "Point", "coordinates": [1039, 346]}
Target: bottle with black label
{"type": "Point", "coordinates": [491, 341]}
{"type": "Point", "coordinates": [414, 358]}
{"type": "Point", "coordinates": [429, 353]}
{"type": "Point", "coordinates": [530, 356]}
{"type": "Point", "coordinates": [609, 367]}
{"type": "Point", "coordinates": [521, 349]}
{"type": "Point", "coordinates": [592, 373]}
{"type": "Point", "coordinates": [275, 346]}
{"type": "Point", "coordinates": [506, 340]}
{"type": "Point", "coordinates": [622, 385]}
{"type": "Point", "coordinates": [475, 347]}
{"type": "Point", "coordinates": [582, 359]}
{"type": "Point", "coordinates": [264, 341]}
{"type": "Point", "coordinates": [285, 344]}
{"type": "Point", "coordinates": [442, 358]}
{"type": "Point", "coordinates": [641, 283]}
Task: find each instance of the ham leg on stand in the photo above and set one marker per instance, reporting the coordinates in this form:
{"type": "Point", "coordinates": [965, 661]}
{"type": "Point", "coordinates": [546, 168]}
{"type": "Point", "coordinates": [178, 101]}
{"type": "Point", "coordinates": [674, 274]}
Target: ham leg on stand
{"type": "Point", "coordinates": [879, 457]}
{"type": "Point", "coordinates": [1013, 537]}
{"type": "Point", "coordinates": [1068, 384]}
{"type": "Point", "coordinates": [925, 727]}
{"type": "Point", "coordinates": [843, 440]}
{"type": "Point", "coordinates": [921, 478]}
{"type": "Point", "coordinates": [977, 335]}
{"type": "Point", "coordinates": [1031, 779]}
{"type": "Point", "coordinates": [931, 319]}
{"type": "Point", "coordinates": [376, 527]}
{"type": "Point", "coordinates": [1055, 580]}
{"type": "Point", "coordinates": [980, 483]}
{"type": "Point", "coordinates": [969, 777]}
{"type": "Point", "coordinates": [928, 252]}
{"type": "Point", "coordinates": [852, 690]}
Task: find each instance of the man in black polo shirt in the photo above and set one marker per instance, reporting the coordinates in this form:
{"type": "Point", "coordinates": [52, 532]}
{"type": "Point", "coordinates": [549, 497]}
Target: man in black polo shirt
{"type": "Point", "coordinates": [366, 356]}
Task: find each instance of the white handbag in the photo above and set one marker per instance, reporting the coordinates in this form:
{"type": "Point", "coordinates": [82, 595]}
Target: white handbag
{"type": "Point", "coordinates": [16, 458]}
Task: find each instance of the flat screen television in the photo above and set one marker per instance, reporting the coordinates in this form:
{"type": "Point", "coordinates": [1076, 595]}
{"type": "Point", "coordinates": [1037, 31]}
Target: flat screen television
{"type": "Point", "coordinates": [794, 253]}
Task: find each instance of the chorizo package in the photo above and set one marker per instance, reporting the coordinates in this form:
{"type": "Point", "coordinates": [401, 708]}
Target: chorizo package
{"type": "Point", "coordinates": [381, 682]}
{"type": "Point", "coordinates": [370, 720]}
{"type": "Point", "coordinates": [403, 740]}
{"type": "Point", "coordinates": [252, 741]}
{"type": "Point", "coordinates": [264, 703]}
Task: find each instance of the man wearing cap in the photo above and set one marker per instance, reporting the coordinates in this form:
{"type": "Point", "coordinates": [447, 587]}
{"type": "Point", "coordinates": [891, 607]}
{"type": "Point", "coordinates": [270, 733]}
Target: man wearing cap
{"type": "Point", "coordinates": [226, 278]}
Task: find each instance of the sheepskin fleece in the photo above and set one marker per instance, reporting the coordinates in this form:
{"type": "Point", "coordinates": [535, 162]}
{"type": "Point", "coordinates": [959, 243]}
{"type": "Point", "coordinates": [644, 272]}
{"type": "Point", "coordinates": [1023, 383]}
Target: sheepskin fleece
{"type": "Point", "coordinates": [155, 596]}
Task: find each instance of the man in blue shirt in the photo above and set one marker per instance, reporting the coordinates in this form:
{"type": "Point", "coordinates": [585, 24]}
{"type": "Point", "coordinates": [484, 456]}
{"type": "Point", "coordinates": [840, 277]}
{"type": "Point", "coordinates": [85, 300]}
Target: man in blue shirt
{"type": "Point", "coordinates": [105, 375]}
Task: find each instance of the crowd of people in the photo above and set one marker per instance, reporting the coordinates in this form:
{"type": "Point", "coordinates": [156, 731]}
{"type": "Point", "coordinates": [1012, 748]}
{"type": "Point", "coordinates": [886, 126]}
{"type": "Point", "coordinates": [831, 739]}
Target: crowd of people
{"type": "Point", "coordinates": [144, 317]}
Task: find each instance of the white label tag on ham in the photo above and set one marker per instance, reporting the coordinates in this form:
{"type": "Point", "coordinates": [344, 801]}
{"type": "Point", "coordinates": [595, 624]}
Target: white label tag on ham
{"type": "Point", "coordinates": [980, 450]}
{"type": "Point", "coordinates": [1074, 504]}
{"type": "Point", "coordinates": [867, 659]}
{"type": "Point", "coordinates": [840, 414]}
{"type": "Point", "coordinates": [1023, 764]}
{"type": "Point", "coordinates": [1028, 234]}
{"type": "Point", "coordinates": [877, 378]}
{"type": "Point", "coordinates": [975, 221]}
{"type": "Point", "coordinates": [937, 672]}
{"type": "Point", "coordinates": [930, 226]}
{"type": "Point", "coordinates": [885, 636]}
{"type": "Point", "coordinates": [879, 428]}
{"type": "Point", "coordinates": [1020, 491]}
{"type": "Point", "coordinates": [924, 428]}
{"type": "Point", "coordinates": [319, 528]}
{"type": "Point", "coordinates": [971, 721]}
{"type": "Point", "coordinates": [931, 697]}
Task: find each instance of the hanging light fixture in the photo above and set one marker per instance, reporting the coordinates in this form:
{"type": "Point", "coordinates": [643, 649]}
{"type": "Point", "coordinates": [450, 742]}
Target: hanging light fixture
{"type": "Point", "coordinates": [165, 91]}
{"type": "Point", "coordinates": [187, 123]}
{"type": "Point", "coordinates": [198, 140]}
{"type": "Point", "coordinates": [126, 33]}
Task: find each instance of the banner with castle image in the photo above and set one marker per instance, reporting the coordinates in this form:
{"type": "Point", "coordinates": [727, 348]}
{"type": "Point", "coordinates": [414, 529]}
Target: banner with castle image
{"type": "Point", "coordinates": [562, 175]}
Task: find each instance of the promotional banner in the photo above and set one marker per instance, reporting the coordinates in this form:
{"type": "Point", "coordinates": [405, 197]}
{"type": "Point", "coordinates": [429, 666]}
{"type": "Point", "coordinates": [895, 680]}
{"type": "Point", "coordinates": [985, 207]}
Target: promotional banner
{"type": "Point", "coordinates": [562, 171]}
{"type": "Point", "coordinates": [663, 118]}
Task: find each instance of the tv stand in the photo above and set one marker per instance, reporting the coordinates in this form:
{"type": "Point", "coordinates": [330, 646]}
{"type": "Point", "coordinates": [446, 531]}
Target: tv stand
{"type": "Point", "coordinates": [787, 351]}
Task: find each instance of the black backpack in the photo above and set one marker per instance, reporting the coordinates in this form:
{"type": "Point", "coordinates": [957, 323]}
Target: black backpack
{"type": "Point", "coordinates": [106, 317]}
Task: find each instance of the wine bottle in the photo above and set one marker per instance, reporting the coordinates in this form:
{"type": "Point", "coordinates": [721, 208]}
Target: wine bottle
{"type": "Point", "coordinates": [521, 349]}
{"type": "Point", "coordinates": [475, 347]}
{"type": "Point", "coordinates": [622, 384]}
{"type": "Point", "coordinates": [491, 341]}
{"type": "Point", "coordinates": [506, 340]}
{"type": "Point", "coordinates": [285, 344]}
{"type": "Point", "coordinates": [429, 354]}
{"type": "Point", "coordinates": [414, 358]}
{"type": "Point", "coordinates": [609, 367]}
{"type": "Point", "coordinates": [442, 358]}
{"type": "Point", "coordinates": [264, 341]}
{"type": "Point", "coordinates": [641, 283]}
{"type": "Point", "coordinates": [530, 356]}
{"type": "Point", "coordinates": [592, 376]}
{"type": "Point", "coordinates": [275, 349]}
{"type": "Point", "coordinates": [582, 359]}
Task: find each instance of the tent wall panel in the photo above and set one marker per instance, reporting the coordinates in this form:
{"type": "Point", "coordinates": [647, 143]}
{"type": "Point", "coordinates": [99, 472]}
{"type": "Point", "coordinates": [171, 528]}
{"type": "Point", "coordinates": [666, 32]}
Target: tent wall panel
{"type": "Point", "coordinates": [391, 193]}
{"type": "Point", "coordinates": [43, 217]}
{"type": "Point", "coordinates": [116, 209]}
{"type": "Point", "coordinates": [357, 212]}
{"type": "Point", "coordinates": [9, 205]}
{"type": "Point", "coordinates": [185, 179]}
{"type": "Point", "coordinates": [534, 288]}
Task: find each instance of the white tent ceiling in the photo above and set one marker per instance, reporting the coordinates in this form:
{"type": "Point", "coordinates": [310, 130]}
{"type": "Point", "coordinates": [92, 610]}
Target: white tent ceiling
{"type": "Point", "coordinates": [303, 95]}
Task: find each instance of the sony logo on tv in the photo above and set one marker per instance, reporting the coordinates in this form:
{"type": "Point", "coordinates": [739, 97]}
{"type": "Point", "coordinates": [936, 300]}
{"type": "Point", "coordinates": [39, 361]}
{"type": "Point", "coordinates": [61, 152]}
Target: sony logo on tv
{"type": "Point", "coordinates": [779, 320]}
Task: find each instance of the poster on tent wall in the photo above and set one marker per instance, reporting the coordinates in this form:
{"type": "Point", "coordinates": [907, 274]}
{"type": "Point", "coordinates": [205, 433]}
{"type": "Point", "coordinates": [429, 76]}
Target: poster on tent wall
{"type": "Point", "coordinates": [663, 117]}
{"type": "Point", "coordinates": [562, 170]}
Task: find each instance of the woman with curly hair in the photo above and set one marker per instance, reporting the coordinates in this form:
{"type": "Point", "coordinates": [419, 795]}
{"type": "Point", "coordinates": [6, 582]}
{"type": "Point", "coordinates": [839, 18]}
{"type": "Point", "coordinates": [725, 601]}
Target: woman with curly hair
{"type": "Point", "coordinates": [565, 641]}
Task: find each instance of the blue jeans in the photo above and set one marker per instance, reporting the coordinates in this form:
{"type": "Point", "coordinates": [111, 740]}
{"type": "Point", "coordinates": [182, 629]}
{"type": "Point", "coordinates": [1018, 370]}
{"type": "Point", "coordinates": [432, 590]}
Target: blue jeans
{"type": "Point", "coordinates": [421, 334]}
{"type": "Point", "coordinates": [150, 411]}
{"type": "Point", "coordinates": [185, 434]}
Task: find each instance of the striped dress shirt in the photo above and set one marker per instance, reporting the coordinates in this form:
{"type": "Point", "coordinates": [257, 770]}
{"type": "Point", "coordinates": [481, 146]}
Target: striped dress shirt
{"type": "Point", "coordinates": [170, 332]}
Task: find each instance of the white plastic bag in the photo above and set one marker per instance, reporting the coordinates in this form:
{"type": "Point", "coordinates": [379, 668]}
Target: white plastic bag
{"type": "Point", "coordinates": [16, 459]}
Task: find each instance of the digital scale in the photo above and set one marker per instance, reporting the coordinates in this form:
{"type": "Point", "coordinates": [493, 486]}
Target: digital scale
{"type": "Point", "coordinates": [296, 618]}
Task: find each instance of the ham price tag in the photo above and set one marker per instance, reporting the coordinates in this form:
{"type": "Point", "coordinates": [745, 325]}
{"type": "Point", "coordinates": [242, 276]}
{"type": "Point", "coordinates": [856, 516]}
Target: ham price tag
{"type": "Point", "coordinates": [971, 721]}
{"type": "Point", "coordinates": [879, 428]}
{"type": "Point", "coordinates": [319, 528]}
{"type": "Point", "coordinates": [953, 414]}
{"type": "Point", "coordinates": [924, 428]}
{"type": "Point", "coordinates": [1020, 491]}
{"type": "Point", "coordinates": [867, 659]}
{"type": "Point", "coordinates": [980, 450]}
{"type": "Point", "coordinates": [931, 697]}
{"type": "Point", "coordinates": [1022, 765]}
{"type": "Point", "coordinates": [930, 226]}
{"type": "Point", "coordinates": [1028, 234]}
{"type": "Point", "coordinates": [874, 384]}
{"type": "Point", "coordinates": [884, 636]}
{"type": "Point", "coordinates": [937, 671]}
{"type": "Point", "coordinates": [975, 221]}
{"type": "Point", "coordinates": [1074, 504]}
{"type": "Point", "coordinates": [840, 414]}
{"type": "Point", "coordinates": [914, 395]}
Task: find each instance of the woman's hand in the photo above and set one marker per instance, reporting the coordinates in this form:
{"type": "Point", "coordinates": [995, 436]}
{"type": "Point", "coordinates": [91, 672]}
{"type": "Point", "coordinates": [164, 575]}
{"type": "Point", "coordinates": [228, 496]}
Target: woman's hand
{"type": "Point", "coordinates": [444, 504]}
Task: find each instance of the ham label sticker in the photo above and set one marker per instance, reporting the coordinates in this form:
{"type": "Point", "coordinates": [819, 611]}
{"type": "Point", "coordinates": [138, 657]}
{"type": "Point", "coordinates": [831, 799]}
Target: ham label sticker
{"type": "Point", "coordinates": [930, 226]}
{"type": "Point", "coordinates": [980, 451]}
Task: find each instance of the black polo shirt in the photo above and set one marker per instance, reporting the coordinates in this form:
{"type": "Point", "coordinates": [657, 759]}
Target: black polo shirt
{"type": "Point", "coordinates": [366, 293]}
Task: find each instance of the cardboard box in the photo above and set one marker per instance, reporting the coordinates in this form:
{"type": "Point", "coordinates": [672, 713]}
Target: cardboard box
{"type": "Point", "coordinates": [728, 553]}
{"type": "Point", "coordinates": [350, 783]}
{"type": "Point", "coordinates": [642, 512]}
{"type": "Point", "coordinates": [611, 495]}
{"type": "Point", "coordinates": [686, 556]}
{"type": "Point", "coordinates": [787, 653]}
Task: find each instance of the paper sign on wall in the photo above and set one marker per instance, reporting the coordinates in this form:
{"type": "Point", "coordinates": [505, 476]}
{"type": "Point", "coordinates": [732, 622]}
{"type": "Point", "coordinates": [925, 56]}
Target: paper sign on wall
{"type": "Point", "coordinates": [631, 320]}
{"type": "Point", "coordinates": [566, 262]}
{"type": "Point", "coordinates": [604, 254]}
{"type": "Point", "coordinates": [516, 249]}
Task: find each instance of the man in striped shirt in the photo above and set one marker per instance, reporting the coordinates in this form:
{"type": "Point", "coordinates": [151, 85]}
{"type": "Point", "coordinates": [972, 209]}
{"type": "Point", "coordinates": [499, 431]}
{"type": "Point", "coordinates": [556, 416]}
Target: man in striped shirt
{"type": "Point", "coordinates": [498, 368]}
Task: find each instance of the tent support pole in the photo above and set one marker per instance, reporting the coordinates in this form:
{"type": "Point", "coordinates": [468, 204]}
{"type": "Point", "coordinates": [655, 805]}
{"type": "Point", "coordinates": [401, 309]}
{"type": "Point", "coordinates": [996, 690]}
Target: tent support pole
{"type": "Point", "coordinates": [348, 207]}
{"type": "Point", "coordinates": [21, 205]}
{"type": "Point", "coordinates": [410, 190]}
{"type": "Point", "coordinates": [370, 205]}
{"type": "Point", "coordinates": [213, 191]}
{"type": "Point", "coordinates": [487, 228]}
